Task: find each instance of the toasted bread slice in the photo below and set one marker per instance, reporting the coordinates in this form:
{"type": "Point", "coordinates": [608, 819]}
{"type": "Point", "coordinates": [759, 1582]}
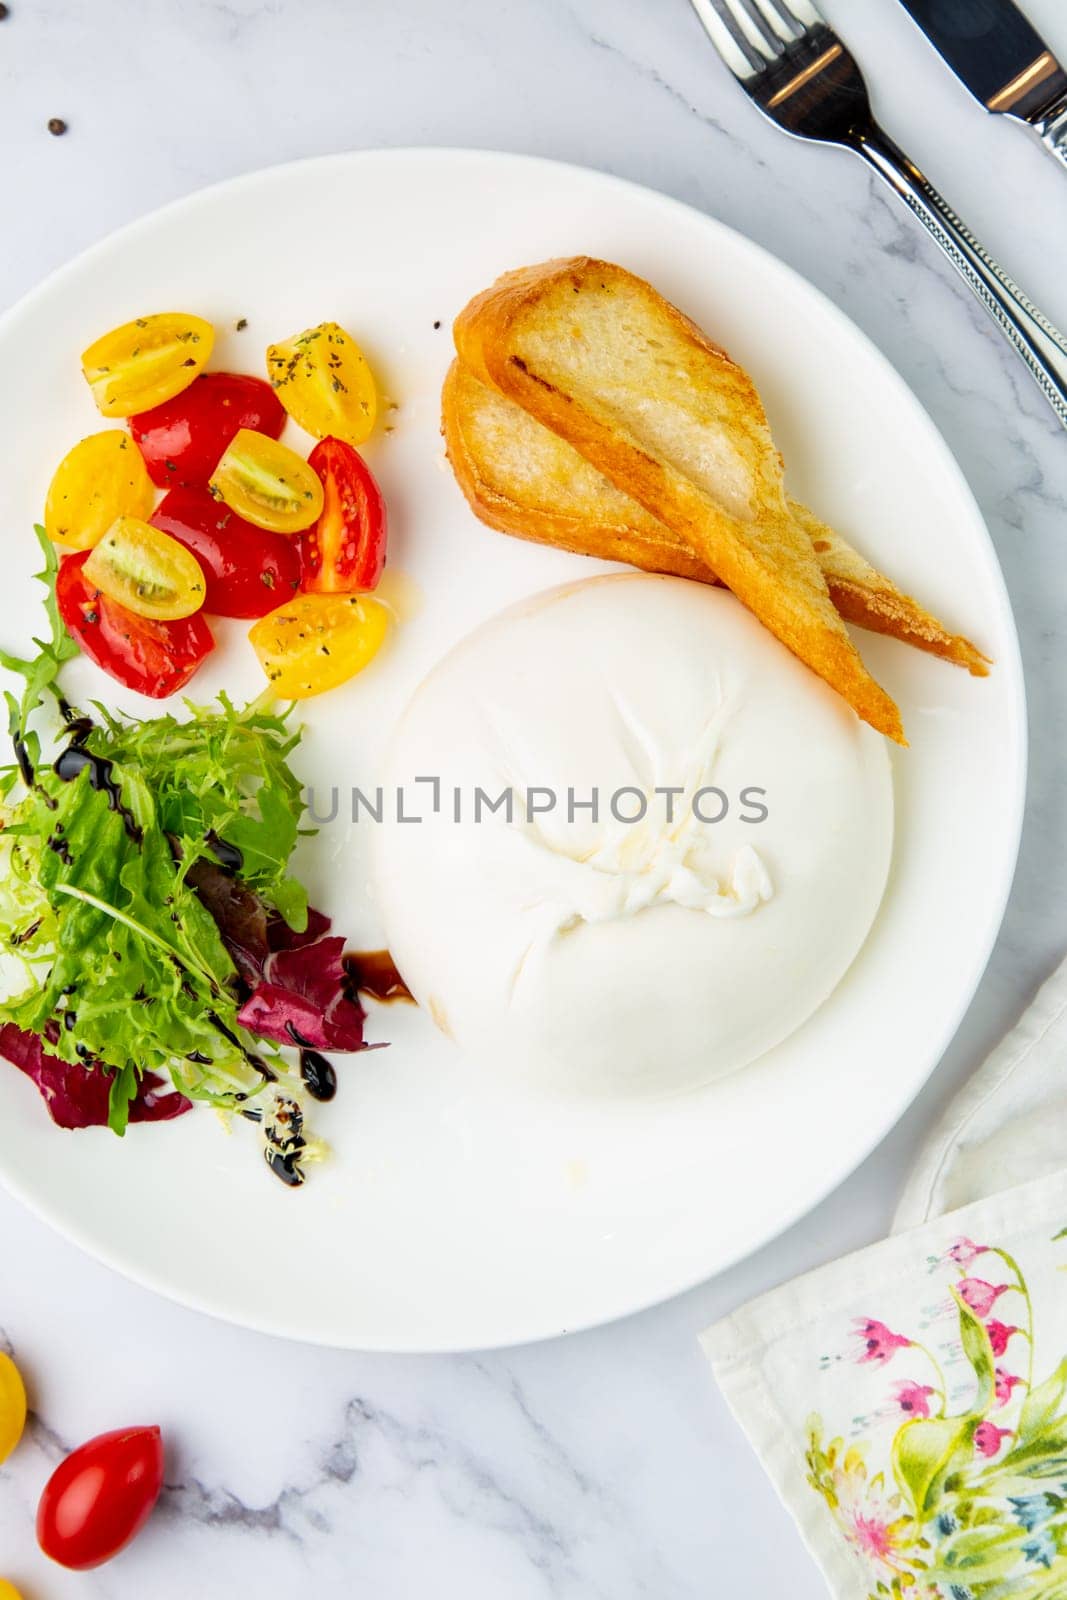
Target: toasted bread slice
{"type": "Point", "coordinates": [605, 362]}
{"type": "Point", "coordinates": [864, 596]}
{"type": "Point", "coordinates": [523, 479]}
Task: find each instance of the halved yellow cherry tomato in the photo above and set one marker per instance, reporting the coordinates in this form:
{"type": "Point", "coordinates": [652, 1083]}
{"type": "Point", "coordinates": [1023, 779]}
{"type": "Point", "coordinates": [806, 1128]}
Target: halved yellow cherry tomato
{"type": "Point", "coordinates": [145, 570]}
{"type": "Point", "coordinates": [12, 1406]}
{"type": "Point", "coordinates": [322, 379]}
{"type": "Point", "coordinates": [147, 361]}
{"type": "Point", "coordinates": [102, 478]}
{"type": "Point", "coordinates": [8, 1591]}
{"type": "Point", "coordinates": [317, 641]}
{"type": "Point", "coordinates": [267, 483]}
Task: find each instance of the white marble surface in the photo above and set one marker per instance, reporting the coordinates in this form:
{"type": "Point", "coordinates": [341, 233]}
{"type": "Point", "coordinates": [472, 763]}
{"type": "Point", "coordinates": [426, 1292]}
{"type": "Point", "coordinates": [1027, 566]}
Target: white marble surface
{"type": "Point", "coordinates": [605, 1465]}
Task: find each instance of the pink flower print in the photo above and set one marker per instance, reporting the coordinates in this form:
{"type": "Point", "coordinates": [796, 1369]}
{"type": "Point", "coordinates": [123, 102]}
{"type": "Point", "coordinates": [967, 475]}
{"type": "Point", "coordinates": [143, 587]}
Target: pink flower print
{"type": "Point", "coordinates": [999, 1334]}
{"type": "Point", "coordinates": [964, 1251]}
{"type": "Point", "coordinates": [1004, 1383]}
{"type": "Point", "coordinates": [979, 1295]}
{"type": "Point", "coordinates": [874, 1537]}
{"type": "Point", "coordinates": [869, 1516]}
{"type": "Point", "coordinates": [987, 1438]}
{"type": "Point", "coordinates": [913, 1398]}
{"type": "Point", "coordinates": [879, 1343]}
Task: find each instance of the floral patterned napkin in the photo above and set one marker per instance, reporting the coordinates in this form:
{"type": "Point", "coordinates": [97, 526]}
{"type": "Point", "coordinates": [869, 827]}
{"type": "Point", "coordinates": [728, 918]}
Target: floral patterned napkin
{"type": "Point", "coordinates": [910, 1401]}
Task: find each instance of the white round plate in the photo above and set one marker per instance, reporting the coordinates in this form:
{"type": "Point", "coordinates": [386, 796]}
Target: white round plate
{"type": "Point", "coordinates": [456, 1212]}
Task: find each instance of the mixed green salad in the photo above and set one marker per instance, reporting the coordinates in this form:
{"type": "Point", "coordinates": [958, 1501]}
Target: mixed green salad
{"type": "Point", "coordinates": [157, 950]}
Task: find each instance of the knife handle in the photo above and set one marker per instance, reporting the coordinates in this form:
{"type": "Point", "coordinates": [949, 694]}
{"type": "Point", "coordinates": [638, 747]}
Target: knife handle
{"type": "Point", "coordinates": [1052, 126]}
{"type": "Point", "coordinates": [1041, 346]}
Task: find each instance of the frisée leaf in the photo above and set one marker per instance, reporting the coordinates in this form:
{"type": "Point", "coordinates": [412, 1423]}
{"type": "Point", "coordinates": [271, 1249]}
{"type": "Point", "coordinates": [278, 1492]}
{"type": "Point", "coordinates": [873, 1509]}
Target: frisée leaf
{"type": "Point", "coordinates": [144, 888]}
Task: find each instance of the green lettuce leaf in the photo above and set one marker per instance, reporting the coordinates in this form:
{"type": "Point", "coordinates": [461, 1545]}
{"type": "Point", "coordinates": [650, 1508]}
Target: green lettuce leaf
{"type": "Point", "coordinates": [113, 957]}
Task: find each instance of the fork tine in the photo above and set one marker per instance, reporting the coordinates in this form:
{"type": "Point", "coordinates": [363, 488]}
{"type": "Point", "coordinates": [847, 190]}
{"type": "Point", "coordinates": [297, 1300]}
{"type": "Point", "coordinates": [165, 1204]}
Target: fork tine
{"type": "Point", "coordinates": [779, 17]}
{"type": "Point", "coordinates": [760, 34]}
{"type": "Point", "coordinates": [801, 15]}
{"type": "Point", "coordinates": [730, 39]}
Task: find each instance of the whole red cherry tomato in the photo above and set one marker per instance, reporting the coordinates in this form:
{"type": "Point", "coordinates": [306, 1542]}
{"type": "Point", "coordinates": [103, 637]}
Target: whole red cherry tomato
{"type": "Point", "coordinates": [155, 658]}
{"type": "Point", "coordinates": [100, 1497]}
{"type": "Point", "coordinates": [344, 551]}
{"type": "Point", "coordinates": [249, 570]}
{"type": "Point", "coordinates": [182, 439]}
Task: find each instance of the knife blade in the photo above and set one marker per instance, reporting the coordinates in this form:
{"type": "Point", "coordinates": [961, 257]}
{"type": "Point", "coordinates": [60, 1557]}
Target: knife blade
{"type": "Point", "coordinates": [1002, 60]}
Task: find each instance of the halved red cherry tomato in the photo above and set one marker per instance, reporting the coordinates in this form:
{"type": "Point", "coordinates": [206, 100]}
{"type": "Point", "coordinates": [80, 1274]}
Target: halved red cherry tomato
{"type": "Point", "coordinates": [249, 570]}
{"type": "Point", "coordinates": [155, 658]}
{"type": "Point", "coordinates": [182, 439]}
{"type": "Point", "coordinates": [344, 552]}
{"type": "Point", "coordinates": [100, 1497]}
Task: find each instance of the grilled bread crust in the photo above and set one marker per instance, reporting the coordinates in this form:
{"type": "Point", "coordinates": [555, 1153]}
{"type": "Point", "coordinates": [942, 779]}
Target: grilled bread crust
{"type": "Point", "coordinates": [521, 478]}
{"type": "Point", "coordinates": [601, 359]}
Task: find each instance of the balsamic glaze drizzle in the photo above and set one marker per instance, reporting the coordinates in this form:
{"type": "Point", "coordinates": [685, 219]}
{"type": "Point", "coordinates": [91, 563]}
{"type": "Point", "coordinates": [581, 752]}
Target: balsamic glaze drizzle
{"type": "Point", "coordinates": [25, 765]}
{"type": "Point", "coordinates": [284, 1167]}
{"type": "Point", "coordinates": [229, 857]}
{"type": "Point", "coordinates": [285, 1142]}
{"type": "Point", "coordinates": [374, 972]}
{"type": "Point", "coordinates": [255, 1062]}
{"type": "Point", "coordinates": [75, 759]}
{"type": "Point", "coordinates": [318, 1075]}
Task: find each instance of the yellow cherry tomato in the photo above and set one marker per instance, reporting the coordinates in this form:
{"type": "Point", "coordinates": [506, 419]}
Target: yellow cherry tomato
{"type": "Point", "coordinates": [12, 1406]}
{"type": "Point", "coordinates": [317, 641]}
{"type": "Point", "coordinates": [147, 361]}
{"type": "Point", "coordinates": [8, 1591]}
{"type": "Point", "coordinates": [267, 483]}
{"type": "Point", "coordinates": [146, 571]}
{"type": "Point", "coordinates": [102, 478]}
{"type": "Point", "coordinates": [322, 379]}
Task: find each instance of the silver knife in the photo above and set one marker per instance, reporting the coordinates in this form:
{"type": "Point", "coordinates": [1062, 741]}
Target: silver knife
{"type": "Point", "coordinates": [997, 55]}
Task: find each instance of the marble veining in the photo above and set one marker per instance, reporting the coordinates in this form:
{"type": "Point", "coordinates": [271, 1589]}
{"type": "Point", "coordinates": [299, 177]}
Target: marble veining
{"type": "Point", "coordinates": [603, 1466]}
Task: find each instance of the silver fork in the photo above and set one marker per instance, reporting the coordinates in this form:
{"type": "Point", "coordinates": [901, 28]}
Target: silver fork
{"type": "Point", "coordinates": [801, 76]}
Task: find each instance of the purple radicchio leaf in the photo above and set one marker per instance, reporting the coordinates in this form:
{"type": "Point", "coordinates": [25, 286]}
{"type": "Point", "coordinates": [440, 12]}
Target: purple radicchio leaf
{"type": "Point", "coordinates": [77, 1096]}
